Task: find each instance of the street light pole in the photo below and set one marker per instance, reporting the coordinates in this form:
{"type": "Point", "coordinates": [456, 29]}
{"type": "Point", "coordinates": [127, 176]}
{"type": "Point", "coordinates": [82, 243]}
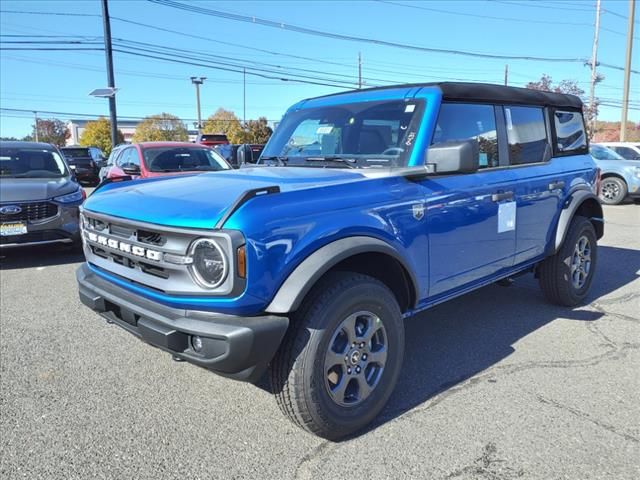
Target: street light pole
{"type": "Point", "coordinates": [197, 81]}
{"type": "Point", "coordinates": [627, 72]}
{"type": "Point", "coordinates": [110, 77]}
{"type": "Point", "coordinates": [36, 128]}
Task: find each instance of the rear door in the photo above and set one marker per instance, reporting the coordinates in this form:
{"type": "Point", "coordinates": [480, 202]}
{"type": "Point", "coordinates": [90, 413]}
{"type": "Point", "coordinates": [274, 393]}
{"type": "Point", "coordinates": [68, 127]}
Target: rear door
{"type": "Point", "coordinates": [470, 216]}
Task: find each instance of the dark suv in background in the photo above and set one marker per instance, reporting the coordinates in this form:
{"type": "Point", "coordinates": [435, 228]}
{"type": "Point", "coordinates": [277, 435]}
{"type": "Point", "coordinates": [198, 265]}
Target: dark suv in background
{"type": "Point", "coordinates": [39, 198]}
{"type": "Point", "coordinates": [85, 162]}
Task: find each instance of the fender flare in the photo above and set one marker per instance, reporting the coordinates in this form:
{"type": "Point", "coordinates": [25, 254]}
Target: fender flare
{"type": "Point", "coordinates": [299, 282]}
{"type": "Point", "coordinates": [571, 206]}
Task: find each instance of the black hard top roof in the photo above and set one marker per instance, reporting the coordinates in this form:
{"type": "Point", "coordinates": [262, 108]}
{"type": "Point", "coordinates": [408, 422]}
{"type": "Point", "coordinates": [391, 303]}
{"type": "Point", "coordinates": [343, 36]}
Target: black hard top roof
{"type": "Point", "coordinates": [490, 93]}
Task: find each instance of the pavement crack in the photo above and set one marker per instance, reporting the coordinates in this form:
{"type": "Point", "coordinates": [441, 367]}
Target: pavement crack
{"type": "Point", "coordinates": [488, 466]}
{"type": "Point", "coordinates": [302, 468]}
{"type": "Point", "coordinates": [585, 416]}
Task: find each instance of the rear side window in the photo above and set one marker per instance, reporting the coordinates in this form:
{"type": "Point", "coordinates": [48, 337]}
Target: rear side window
{"type": "Point", "coordinates": [460, 121]}
{"type": "Point", "coordinates": [526, 134]}
{"type": "Point", "coordinates": [570, 132]}
{"type": "Point", "coordinates": [627, 153]}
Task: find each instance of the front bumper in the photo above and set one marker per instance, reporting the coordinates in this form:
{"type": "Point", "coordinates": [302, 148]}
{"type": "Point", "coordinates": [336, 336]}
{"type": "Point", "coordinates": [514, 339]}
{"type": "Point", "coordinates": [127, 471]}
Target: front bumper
{"type": "Point", "coordinates": [233, 346]}
{"type": "Point", "coordinates": [64, 227]}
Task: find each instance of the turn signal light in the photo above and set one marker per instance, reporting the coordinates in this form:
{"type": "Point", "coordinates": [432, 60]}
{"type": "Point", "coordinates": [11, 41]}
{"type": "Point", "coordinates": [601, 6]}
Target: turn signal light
{"type": "Point", "coordinates": [241, 255]}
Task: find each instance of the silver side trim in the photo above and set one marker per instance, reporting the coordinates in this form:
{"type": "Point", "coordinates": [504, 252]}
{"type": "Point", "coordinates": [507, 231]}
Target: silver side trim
{"type": "Point", "coordinates": [27, 244]}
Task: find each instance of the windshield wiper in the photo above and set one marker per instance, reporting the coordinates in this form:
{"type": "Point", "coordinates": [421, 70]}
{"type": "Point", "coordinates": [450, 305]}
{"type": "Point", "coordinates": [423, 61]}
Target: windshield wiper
{"type": "Point", "coordinates": [349, 162]}
{"type": "Point", "coordinates": [282, 161]}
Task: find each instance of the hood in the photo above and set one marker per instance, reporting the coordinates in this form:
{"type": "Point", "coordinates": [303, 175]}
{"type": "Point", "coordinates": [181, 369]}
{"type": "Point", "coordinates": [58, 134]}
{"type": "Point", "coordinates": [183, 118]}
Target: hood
{"type": "Point", "coordinates": [33, 189]}
{"type": "Point", "coordinates": [198, 201]}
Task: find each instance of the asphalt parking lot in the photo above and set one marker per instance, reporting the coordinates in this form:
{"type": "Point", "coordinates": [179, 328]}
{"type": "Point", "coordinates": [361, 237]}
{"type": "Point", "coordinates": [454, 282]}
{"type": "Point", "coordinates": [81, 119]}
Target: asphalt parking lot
{"type": "Point", "coordinates": [496, 385]}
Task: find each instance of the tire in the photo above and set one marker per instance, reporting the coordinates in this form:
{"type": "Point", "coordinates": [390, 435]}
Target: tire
{"type": "Point", "coordinates": [565, 277]}
{"type": "Point", "coordinates": [613, 190]}
{"type": "Point", "coordinates": [307, 378]}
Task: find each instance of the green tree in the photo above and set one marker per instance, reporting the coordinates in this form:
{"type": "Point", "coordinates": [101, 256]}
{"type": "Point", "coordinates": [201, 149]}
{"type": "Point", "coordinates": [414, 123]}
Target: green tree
{"type": "Point", "coordinates": [161, 128]}
{"type": "Point", "coordinates": [51, 130]}
{"type": "Point", "coordinates": [257, 131]}
{"type": "Point", "coordinates": [98, 134]}
{"type": "Point", "coordinates": [225, 121]}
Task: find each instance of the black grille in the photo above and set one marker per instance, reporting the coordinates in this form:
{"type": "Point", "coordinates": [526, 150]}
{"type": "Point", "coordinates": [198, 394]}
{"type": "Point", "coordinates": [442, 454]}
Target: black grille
{"type": "Point", "coordinates": [31, 212]}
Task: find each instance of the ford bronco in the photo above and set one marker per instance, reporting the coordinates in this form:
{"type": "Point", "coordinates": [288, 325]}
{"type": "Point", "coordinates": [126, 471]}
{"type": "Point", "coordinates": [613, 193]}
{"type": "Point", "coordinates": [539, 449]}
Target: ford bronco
{"type": "Point", "coordinates": [365, 208]}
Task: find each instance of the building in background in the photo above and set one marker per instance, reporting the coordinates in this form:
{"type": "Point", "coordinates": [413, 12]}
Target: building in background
{"type": "Point", "coordinates": [127, 127]}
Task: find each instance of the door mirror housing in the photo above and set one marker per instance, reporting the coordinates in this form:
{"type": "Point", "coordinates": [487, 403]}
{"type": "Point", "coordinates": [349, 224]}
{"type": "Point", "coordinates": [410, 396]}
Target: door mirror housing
{"type": "Point", "coordinates": [454, 157]}
{"type": "Point", "coordinates": [131, 169]}
{"type": "Point", "coordinates": [244, 154]}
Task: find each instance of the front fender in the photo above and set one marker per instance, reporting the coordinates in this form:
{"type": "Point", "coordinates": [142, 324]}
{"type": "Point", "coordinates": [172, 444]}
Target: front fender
{"type": "Point", "coordinates": [305, 275]}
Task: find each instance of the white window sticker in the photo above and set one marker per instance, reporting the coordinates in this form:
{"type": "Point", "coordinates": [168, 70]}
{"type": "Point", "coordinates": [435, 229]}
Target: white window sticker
{"type": "Point", "coordinates": [506, 217]}
{"type": "Point", "coordinates": [410, 108]}
{"type": "Point", "coordinates": [324, 130]}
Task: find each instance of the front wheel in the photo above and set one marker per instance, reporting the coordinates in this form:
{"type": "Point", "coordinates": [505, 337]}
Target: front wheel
{"type": "Point", "coordinates": [341, 357]}
{"type": "Point", "coordinates": [565, 277]}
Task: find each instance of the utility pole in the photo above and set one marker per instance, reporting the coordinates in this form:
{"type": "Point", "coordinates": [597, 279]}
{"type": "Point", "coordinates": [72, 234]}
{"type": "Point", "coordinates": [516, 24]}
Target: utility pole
{"type": "Point", "coordinates": [35, 114]}
{"type": "Point", "coordinates": [627, 72]}
{"type": "Point", "coordinates": [594, 74]}
{"type": "Point", "coordinates": [110, 78]}
{"type": "Point", "coordinates": [197, 81]}
{"type": "Point", "coordinates": [244, 96]}
{"type": "Point", "coordinates": [506, 74]}
{"type": "Point", "coordinates": [359, 70]}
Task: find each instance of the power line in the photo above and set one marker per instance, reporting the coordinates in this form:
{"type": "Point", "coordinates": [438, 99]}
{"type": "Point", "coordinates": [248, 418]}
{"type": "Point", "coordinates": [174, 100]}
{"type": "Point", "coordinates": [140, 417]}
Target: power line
{"type": "Point", "coordinates": [351, 38]}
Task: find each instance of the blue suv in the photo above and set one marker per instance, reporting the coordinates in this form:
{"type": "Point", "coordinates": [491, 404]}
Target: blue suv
{"type": "Point", "coordinates": [365, 208]}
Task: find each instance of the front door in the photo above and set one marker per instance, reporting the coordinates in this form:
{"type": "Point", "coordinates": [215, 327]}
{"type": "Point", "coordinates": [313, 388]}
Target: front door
{"type": "Point", "coordinates": [470, 217]}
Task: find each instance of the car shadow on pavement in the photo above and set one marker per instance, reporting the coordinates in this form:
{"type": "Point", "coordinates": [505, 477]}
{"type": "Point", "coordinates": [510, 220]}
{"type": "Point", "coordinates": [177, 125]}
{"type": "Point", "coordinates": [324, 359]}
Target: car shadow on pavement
{"type": "Point", "coordinates": [39, 256]}
{"type": "Point", "coordinates": [457, 340]}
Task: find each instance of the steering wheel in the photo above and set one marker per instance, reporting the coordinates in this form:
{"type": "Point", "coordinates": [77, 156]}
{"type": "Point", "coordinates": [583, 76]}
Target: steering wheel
{"type": "Point", "coordinates": [393, 151]}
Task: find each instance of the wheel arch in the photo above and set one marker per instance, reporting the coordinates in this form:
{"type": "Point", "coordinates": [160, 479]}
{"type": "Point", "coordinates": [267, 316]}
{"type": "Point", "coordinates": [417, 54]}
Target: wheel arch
{"type": "Point", "coordinates": [584, 203]}
{"type": "Point", "coordinates": [360, 254]}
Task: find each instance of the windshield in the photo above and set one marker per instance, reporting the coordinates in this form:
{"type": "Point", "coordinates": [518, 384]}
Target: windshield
{"type": "Point", "coordinates": [31, 163]}
{"type": "Point", "coordinates": [181, 159]}
{"type": "Point", "coordinates": [366, 134]}
{"type": "Point", "coordinates": [76, 153]}
{"type": "Point", "coordinates": [603, 153]}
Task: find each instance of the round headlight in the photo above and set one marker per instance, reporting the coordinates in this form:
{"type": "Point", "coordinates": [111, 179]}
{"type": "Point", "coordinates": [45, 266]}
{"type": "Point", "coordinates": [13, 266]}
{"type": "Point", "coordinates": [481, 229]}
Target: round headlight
{"type": "Point", "coordinates": [209, 263]}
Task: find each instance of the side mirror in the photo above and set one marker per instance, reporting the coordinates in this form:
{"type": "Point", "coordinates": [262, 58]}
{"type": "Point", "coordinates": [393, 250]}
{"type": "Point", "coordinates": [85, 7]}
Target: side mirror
{"type": "Point", "coordinates": [131, 169]}
{"type": "Point", "coordinates": [454, 157]}
{"type": "Point", "coordinates": [245, 154]}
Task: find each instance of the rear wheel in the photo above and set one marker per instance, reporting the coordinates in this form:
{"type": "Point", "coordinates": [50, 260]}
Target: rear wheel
{"type": "Point", "coordinates": [341, 357]}
{"type": "Point", "coordinates": [565, 277]}
{"type": "Point", "coordinates": [613, 190]}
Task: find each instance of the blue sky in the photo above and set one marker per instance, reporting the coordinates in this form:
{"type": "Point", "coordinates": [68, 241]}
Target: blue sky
{"type": "Point", "coordinates": [60, 81]}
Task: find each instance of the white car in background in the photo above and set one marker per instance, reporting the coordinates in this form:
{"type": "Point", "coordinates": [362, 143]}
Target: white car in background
{"type": "Point", "coordinates": [627, 150]}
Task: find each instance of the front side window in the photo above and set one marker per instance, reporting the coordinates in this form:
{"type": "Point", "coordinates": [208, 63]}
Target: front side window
{"type": "Point", "coordinates": [627, 153]}
{"type": "Point", "coordinates": [31, 163]}
{"type": "Point", "coordinates": [182, 159]}
{"type": "Point", "coordinates": [366, 134]}
{"type": "Point", "coordinates": [526, 134]}
{"type": "Point", "coordinates": [459, 122]}
{"type": "Point", "coordinates": [570, 131]}
{"type": "Point", "coordinates": [129, 159]}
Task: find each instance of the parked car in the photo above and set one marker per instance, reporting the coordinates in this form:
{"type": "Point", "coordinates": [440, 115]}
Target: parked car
{"type": "Point", "coordinates": [104, 170]}
{"type": "Point", "coordinates": [85, 162]}
{"type": "Point", "coordinates": [212, 139]}
{"type": "Point", "coordinates": [156, 159]}
{"type": "Point", "coordinates": [627, 150]}
{"type": "Point", "coordinates": [620, 177]}
{"type": "Point", "coordinates": [230, 153]}
{"type": "Point", "coordinates": [39, 198]}
{"type": "Point", "coordinates": [366, 208]}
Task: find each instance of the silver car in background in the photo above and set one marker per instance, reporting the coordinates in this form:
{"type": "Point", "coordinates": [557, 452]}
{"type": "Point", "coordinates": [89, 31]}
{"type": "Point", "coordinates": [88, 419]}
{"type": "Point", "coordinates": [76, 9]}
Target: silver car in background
{"type": "Point", "coordinates": [39, 196]}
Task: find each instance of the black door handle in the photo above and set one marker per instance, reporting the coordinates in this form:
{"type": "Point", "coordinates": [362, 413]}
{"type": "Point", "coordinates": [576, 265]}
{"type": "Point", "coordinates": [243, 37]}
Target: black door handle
{"type": "Point", "coordinates": [556, 185]}
{"type": "Point", "coordinates": [496, 197]}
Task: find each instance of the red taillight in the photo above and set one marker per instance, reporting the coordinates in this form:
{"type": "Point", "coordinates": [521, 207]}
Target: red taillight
{"type": "Point", "coordinates": [598, 181]}
{"type": "Point", "coordinates": [84, 194]}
